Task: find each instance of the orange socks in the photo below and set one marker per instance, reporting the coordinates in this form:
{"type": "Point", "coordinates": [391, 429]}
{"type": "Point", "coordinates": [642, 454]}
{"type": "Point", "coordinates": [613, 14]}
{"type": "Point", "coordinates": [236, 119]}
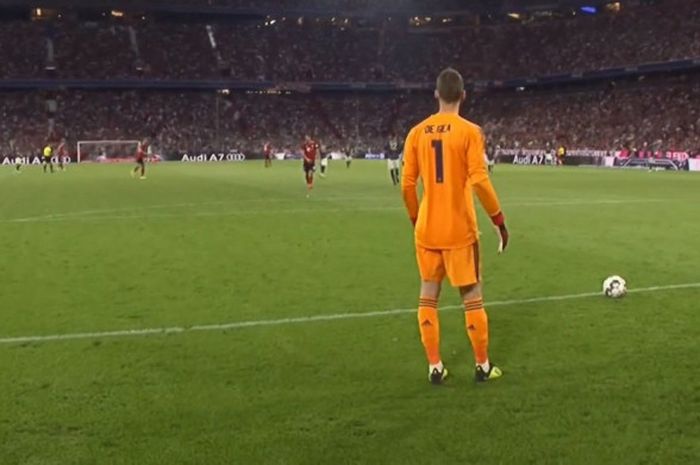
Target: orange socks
{"type": "Point", "coordinates": [477, 325]}
{"type": "Point", "coordinates": [429, 326]}
{"type": "Point", "coordinates": [477, 328]}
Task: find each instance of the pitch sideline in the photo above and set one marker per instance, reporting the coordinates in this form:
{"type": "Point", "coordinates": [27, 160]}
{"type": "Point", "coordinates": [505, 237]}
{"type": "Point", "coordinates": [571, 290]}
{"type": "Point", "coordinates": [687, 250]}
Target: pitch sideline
{"type": "Point", "coordinates": [309, 319]}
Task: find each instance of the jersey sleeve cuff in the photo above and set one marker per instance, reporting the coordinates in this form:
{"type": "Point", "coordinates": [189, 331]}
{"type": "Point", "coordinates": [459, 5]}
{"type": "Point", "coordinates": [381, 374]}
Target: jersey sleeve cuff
{"type": "Point", "coordinates": [498, 219]}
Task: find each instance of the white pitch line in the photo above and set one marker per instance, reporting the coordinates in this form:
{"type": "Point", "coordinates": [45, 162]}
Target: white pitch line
{"type": "Point", "coordinates": [250, 212]}
{"type": "Point", "coordinates": [165, 206]}
{"type": "Point", "coordinates": [99, 215]}
{"type": "Point", "coordinates": [310, 319]}
{"type": "Point", "coordinates": [583, 202]}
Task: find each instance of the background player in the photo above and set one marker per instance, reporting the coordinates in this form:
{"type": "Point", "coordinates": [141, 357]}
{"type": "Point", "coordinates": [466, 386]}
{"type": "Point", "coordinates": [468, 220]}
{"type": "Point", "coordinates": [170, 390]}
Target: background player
{"type": "Point", "coordinates": [324, 164]}
{"type": "Point", "coordinates": [561, 154]}
{"type": "Point", "coordinates": [548, 154]}
{"type": "Point", "coordinates": [490, 157]}
{"type": "Point", "coordinates": [447, 153]}
{"type": "Point", "coordinates": [18, 164]}
{"type": "Point", "coordinates": [62, 153]}
{"type": "Point", "coordinates": [267, 153]}
{"type": "Point", "coordinates": [348, 155]}
{"type": "Point", "coordinates": [46, 159]}
{"type": "Point", "coordinates": [141, 150]}
{"type": "Point", "coordinates": [393, 153]}
{"type": "Point", "coordinates": [310, 149]}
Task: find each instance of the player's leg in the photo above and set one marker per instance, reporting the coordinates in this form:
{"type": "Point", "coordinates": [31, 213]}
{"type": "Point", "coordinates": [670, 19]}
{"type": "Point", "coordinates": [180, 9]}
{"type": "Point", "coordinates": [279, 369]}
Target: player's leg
{"type": "Point", "coordinates": [397, 175]}
{"type": "Point", "coordinates": [477, 324]}
{"type": "Point", "coordinates": [44, 165]}
{"type": "Point", "coordinates": [390, 167]}
{"type": "Point", "coordinates": [323, 168]}
{"type": "Point", "coordinates": [309, 175]}
{"type": "Point", "coordinates": [432, 272]}
{"type": "Point", "coordinates": [142, 165]}
{"type": "Point", "coordinates": [463, 269]}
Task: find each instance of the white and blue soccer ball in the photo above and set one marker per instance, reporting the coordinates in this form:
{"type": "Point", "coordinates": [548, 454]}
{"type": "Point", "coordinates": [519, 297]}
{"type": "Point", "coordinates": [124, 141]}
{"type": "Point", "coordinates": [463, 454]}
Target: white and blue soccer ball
{"type": "Point", "coordinates": [615, 287]}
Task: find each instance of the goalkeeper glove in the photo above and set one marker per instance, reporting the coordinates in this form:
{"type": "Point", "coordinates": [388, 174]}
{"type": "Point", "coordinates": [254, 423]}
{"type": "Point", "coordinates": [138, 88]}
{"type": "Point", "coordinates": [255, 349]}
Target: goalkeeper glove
{"type": "Point", "coordinates": [499, 222]}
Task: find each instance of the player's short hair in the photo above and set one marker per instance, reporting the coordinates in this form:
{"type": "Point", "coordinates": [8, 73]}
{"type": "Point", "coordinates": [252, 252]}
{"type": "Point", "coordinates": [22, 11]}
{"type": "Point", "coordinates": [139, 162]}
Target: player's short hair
{"type": "Point", "coordinates": [450, 85]}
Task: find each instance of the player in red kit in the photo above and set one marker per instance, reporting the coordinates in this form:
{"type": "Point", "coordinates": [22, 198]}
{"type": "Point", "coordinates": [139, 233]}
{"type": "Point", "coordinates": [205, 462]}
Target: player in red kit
{"type": "Point", "coordinates": [310, 148]}
{"type": "Point", "coordinates": [267, 152]}
{"type": "Point", "coordinates": [62, 153]}
{"type": "Point", "coordinates": [141, 151]}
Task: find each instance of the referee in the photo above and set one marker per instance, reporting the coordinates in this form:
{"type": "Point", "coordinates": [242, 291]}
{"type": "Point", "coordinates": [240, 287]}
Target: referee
{"type": "Point", "coordinates": [46, 159]}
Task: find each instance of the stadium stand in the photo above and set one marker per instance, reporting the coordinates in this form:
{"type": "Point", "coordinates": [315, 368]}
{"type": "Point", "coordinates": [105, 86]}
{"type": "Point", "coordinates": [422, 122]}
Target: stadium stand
{"type": "Point", "coordinates": [658, 113]}
{"type": "Point", "coordinates": [610, 114]}
{"type": "Point", "coordinates": [361, 51]}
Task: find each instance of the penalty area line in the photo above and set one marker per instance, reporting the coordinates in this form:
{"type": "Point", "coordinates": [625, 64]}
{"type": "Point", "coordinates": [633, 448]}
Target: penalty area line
{"type": "Point", "coordinates": [311, 319]}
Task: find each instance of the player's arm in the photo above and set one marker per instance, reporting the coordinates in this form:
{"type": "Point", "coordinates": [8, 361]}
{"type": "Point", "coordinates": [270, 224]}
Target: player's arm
{"type": "Point", "coordinates": [482, 186]}
{"type": "Point", "coordinates": [409, 178]}
{"type": "Point", "coordinates": [303, 154]}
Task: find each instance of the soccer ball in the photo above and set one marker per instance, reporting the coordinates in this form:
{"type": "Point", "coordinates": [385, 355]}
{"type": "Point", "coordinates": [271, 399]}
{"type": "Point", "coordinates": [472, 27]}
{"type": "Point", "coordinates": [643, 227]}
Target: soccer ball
{"type": "Point", "coordinates": [615, 287]}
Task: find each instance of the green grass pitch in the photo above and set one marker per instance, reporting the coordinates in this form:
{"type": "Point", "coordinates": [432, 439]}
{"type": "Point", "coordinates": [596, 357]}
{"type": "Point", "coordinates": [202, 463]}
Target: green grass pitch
{"type": "Point", "coordinates": [587, 380]}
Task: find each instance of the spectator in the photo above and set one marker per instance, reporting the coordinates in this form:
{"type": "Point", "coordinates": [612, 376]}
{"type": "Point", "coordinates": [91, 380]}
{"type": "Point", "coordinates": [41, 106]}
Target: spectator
{"type": "Point", "coordinates": [604, 117]}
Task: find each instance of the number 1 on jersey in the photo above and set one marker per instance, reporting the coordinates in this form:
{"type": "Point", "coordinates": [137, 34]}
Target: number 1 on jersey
{"type": "Point", "coordinates": [439, 170]}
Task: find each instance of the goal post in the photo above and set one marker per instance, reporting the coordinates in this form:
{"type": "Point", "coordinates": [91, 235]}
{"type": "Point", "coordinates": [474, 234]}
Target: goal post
{"type": "Point", "coordinates": [106, 151]}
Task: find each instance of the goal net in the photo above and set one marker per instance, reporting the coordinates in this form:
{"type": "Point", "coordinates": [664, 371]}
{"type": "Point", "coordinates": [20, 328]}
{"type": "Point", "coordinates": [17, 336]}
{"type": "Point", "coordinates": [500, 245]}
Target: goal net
{"type": "Point", "coordinates": [106, 151]}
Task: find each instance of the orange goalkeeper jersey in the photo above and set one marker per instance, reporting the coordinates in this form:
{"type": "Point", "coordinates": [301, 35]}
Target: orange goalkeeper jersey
{"type": "Point", "coordinates": [447, 152]}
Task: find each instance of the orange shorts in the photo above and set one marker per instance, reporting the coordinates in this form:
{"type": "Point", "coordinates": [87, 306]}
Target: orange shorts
{"type": "Point", "coordinates": [462, 266]}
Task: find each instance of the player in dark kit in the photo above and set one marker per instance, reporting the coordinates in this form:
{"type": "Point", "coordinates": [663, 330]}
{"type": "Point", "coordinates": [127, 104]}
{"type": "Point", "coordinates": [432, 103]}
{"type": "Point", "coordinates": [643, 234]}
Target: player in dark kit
{"type": "Point", "coordinates": [393, 152]}
{"type": "Point", "coordinates": [141, 150]}
{"type": "Point", "coordinates": [267, 153]}
{"type": "Point", "coordinates": [325, 160]}
{"type": "Point", "coordinates": [490, 157]}
{"type": "Point", "coordinates": [310, 148]}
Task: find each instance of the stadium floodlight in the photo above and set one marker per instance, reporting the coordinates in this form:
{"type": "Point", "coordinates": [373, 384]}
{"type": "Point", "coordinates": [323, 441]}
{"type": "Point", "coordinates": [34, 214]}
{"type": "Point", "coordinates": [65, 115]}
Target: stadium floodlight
{"type": "Point", "coordinates": [106, 150]}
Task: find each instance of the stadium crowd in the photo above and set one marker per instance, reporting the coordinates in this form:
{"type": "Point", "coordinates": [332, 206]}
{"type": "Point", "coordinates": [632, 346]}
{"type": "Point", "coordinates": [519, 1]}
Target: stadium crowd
{"type": "Point", "coordinates": [340, 5]}
{"type": "Point", "coordinates": [659, 113]}
{"type": "Point", "coordinates": [307, 49]}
